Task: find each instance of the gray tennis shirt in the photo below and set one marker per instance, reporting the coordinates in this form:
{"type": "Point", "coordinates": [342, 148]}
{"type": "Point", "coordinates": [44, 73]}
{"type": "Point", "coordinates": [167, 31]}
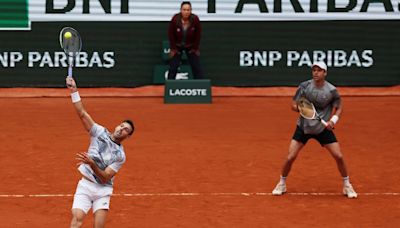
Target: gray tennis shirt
{"type": "Point", "coordinates": [104, 152]}
{"type": "Point", "coordinates": [323, 98]}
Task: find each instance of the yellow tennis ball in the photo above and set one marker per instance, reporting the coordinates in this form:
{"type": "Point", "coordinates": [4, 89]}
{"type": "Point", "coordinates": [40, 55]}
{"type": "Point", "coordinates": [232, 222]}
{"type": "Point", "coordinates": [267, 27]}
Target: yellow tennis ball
{"type": "Point", "coordinates": [67, 35]}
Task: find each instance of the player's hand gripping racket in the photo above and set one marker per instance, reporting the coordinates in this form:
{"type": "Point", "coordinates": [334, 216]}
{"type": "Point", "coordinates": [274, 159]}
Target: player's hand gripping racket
{"type": "Point", "coordinates": [71, 43]}
{"type": "Point", "coordinates": [308, 111]}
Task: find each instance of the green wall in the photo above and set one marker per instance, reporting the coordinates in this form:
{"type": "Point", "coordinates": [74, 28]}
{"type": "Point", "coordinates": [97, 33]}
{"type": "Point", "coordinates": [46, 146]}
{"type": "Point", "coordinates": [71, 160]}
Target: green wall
{"type": "Point", "coordinates": [136, 48]}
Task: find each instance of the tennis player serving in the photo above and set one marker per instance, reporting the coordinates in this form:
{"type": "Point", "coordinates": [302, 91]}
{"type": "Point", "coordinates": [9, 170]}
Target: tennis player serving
{"type": "Point", "coordinates": [327, 102]}
{"type": "Point", "coordinates": [98, 165]}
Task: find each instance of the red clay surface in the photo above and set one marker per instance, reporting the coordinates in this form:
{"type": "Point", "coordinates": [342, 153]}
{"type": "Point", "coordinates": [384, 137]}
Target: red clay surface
{"type": "Point", "coordinates": [236, 145]}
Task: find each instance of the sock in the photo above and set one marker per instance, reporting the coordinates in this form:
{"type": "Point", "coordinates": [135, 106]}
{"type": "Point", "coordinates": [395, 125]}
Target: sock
{"type": "Point", "coordinates": [346, 181]}
{"type": "Point", "coordinates": [282, 180]}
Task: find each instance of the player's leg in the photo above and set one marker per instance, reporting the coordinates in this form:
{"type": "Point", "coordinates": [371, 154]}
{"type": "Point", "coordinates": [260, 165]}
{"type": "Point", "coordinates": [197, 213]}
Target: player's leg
{"type": "Point", "coordinates": [100, 218]}
{"type": "Point", "coordinates": [298, 141]}
{"type": "Point", "coordinates": [294, 149]}
{"type": "Point", "coordinates": [194, 61]}
{"type": "Point", "coordinates": [102, 205]}
{"type": "Point", "coordinates": [328, 139]}
{"type": "Point", "coordinates": [334, 149]}
{"type": "Point", "coordinates": [174, 64]}
{"type": "Point", "coordinates": [78, 216]}
{"type": "Point", "coordinates": [82, 203]}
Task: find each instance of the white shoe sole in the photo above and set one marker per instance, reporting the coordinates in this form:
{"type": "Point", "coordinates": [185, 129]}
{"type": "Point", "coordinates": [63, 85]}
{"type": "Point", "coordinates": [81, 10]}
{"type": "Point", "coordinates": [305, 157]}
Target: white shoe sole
{"type": "Point", "coordinates": [278, 193]}
{"type": "Point", "coordinates": [349, 196]}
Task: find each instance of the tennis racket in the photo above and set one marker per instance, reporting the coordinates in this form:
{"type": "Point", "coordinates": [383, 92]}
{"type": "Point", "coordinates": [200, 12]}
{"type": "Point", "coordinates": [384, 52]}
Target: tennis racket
{"type": "Point", "coordinates": [71, 43]}
{"type": "Point", "coordinates": [308, 111]}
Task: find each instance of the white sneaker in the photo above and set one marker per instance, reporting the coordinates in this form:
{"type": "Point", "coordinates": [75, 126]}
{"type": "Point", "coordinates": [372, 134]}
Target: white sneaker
{"type": "Point", "coordinates": [349, 191]}
{"type": "Point", "coordinates": [279, 189]}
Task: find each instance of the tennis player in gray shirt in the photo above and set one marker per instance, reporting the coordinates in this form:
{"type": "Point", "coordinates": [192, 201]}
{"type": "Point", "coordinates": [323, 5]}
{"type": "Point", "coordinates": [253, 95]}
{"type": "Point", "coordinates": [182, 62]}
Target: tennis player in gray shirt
{"type": "Point", "coordinates": [327, 102]}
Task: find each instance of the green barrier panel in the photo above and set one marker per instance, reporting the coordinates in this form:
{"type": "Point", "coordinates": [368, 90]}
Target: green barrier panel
{"type": "Point", "coordinates": [237, 53]}
{"type": "Point", "coordinates": [160, 73]}
{"type": "Point", "coordinates": [187, 92]}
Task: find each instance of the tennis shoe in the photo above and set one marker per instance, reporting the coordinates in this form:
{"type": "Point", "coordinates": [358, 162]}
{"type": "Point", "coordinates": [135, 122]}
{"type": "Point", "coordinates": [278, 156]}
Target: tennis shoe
{"type": "Point", "coordinates": [349, 191]}
{"type": "Point", "coordinates": [279, 189]}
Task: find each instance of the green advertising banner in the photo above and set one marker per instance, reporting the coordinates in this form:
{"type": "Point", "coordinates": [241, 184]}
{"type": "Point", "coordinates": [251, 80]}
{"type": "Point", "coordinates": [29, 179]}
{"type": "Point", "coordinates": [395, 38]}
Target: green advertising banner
{"type": "Point", "coordinates": [244, 43]}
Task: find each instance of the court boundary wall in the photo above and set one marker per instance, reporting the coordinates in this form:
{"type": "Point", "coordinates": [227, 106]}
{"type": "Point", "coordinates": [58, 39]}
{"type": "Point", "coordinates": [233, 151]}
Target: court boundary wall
{"type": "Point", "coordinates": [158, 91]}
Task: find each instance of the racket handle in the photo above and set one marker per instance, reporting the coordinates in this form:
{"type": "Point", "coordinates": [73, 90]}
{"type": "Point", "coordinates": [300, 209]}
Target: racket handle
{"type": "Point", "coordinates": [70, 71]}
{"type": "Point", "coordinates": [324, 122]}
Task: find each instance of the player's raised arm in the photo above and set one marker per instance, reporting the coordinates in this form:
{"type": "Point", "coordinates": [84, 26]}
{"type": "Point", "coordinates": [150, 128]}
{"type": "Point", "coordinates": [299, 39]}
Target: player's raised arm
{"type": "Point", "coordinates": [76, 100]}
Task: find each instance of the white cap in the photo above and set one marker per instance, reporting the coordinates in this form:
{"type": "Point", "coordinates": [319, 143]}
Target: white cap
{"type": "Point", "coordinates": [321, 65]}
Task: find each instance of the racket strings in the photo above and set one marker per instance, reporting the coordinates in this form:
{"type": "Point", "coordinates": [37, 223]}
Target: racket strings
{"type": "Point", "coordinates": [72, 45]}
{"type": "Point", "coordinates": [306, 108]}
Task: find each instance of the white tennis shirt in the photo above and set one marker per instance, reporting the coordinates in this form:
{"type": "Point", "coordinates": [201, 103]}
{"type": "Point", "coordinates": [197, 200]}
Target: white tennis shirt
{"type": "Point", "coordinates": [104, 152]}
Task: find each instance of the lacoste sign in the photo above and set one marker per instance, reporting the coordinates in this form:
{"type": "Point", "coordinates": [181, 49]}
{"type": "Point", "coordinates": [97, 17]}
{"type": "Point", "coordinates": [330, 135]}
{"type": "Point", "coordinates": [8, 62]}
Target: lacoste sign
{"type": "Point", "coordinates": [187, 91]}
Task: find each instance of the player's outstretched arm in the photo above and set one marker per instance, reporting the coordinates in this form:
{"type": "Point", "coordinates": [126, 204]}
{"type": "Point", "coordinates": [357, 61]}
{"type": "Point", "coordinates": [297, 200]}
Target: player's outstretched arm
{"type": "Point", "coordinates": [76, 100]}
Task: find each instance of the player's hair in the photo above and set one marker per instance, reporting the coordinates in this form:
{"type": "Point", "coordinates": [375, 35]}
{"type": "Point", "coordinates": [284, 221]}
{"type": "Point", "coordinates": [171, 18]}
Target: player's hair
{"type": "Point", "coordinates": [130, 122]}
{"type": "Point", "coordinates": [186, 2]}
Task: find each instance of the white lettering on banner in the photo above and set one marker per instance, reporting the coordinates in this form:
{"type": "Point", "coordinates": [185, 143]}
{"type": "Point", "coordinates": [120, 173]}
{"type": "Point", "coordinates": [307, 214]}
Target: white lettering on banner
{"type": "Point", "coordinates": [333, 58]}
{"type": "Point", "coordinates": [246, 58]}
{"type": "Point", "coordinates": [256, 58]}
{"type": "Point", "coordinates": [9, 59]}
{"type": "Point", "coordinates": [82, 60]}
{"type": "Point", "coordinates": [15, 57]}
{"type": "Point", "coordinates": [4, 59]}
{"type": "Point", "coordinates": [46, 60]}
{"type": "Point", "coordinates": [187, 92]}
{"type": "Point", "coordinates": [95, 60]}
{"type": "Point", "coordinates": [109, 61]}
{"type": "Point", "coordinates": [215, 10]}
{"type": "Point", "coordinates": [57, 59]}
{"type": "Point", "coordinates": [367, 56]}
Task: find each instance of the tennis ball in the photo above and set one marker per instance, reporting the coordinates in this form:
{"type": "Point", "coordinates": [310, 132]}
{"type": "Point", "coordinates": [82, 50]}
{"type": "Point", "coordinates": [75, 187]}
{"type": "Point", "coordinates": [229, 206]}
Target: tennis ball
{"type": "Point", "coordinates": [67, 35]}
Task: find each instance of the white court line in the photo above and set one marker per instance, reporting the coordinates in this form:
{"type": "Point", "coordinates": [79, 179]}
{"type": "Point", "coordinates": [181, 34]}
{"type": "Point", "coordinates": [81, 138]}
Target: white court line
{"type": "Point", "coordinates": [203, 194]}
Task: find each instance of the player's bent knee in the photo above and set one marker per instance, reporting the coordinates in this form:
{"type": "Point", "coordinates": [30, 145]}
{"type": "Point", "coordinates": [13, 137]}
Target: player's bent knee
{"type": "Point", "coordinates": [77, 218]}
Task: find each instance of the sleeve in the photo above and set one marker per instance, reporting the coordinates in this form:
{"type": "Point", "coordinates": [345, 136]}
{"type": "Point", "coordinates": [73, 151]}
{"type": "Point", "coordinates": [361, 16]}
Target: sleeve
{"type": "Point", "coordinates": [336, 99]}
{"type": "Point", "coordinates": [171, 33]}
{"type": "Point", "coordinates": [96, 130]}
{"type": "Point", "coordinates": [300, 92]}
{"type": "Point", "coordinates": [116, 166]}
{"type": "Point", "coordinates": [197, 38]}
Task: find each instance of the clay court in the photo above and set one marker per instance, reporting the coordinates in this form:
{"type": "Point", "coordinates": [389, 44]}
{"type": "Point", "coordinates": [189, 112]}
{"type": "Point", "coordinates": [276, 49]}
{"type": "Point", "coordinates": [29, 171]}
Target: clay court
{"type": "Point", "coordinates": [201, 165]}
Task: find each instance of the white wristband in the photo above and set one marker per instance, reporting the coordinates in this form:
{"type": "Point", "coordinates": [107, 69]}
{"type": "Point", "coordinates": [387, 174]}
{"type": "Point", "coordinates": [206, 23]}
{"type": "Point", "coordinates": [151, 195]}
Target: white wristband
{"type": "Point", "coordinates": [75, 97]}
{"type": "Point", "coordinates": [334, 119]}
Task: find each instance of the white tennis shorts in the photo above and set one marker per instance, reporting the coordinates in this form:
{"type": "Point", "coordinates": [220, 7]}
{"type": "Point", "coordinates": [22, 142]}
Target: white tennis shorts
{"type": "Point", "coordinates": [92, 195]}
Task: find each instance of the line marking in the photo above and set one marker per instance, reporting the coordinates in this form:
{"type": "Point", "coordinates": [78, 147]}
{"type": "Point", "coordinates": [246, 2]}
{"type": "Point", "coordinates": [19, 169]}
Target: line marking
{"type": "Point", "coordinates": [186, 194]}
